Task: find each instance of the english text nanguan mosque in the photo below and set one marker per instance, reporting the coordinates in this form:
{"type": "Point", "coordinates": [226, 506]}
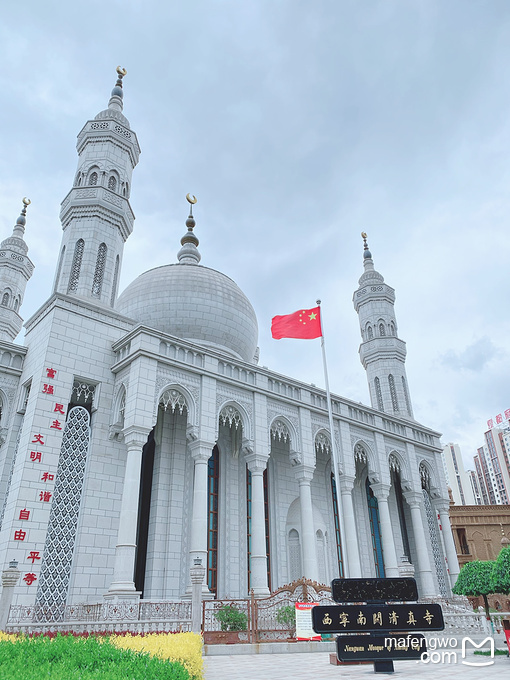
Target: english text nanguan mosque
{"type": "Point", "coordinates": [138, 431]}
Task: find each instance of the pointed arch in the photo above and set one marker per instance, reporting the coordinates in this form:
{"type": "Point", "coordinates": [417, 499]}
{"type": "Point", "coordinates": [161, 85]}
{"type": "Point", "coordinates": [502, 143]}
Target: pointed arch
{"type": "Point", "coordinates": [393, 393]}
{"type": "Point", "coordinates": [115, 280]}
{"type": "Point", "coordinates": [97, 283]}
{"type": "Point", "coordinates": [76, 266]}
{"type": "Point", "coordinates": [281, 428]}
{"type": "Point", "coordinates": [175, 396]}
{"type": "Point", "coordinates": [322, 441]}
{"type": "Point", "coordinates": [231, 412]}
{"type": "Point", "coordinates": [5, 299]}
{"type": "Point", "coordinates": [382, 328]}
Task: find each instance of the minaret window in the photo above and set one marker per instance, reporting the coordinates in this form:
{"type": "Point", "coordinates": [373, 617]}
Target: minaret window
{"type": "Point", "coordinates": [392, 328]}
{"type": "Point", "coordinates": [370, 332]}
{"type": "Point", "coordinates": [378, 394]}
{"type": "Point", "coordinates": [393, 393]}
{"type": "Point", "coordinates": [76, 266]}
{"type": "Point", "coordinates": [406, 395]}
{"type": "Point", "coordinates": [382, 330]}
{"type": "Point", "coordinates": [112, 183]}
{"type": "Point", "coordinates": [97, 283]}
{"type": "Point", "coordinates": [93, 179]}
{"type": "Point", "coordinates": [5, 299]}
{"type": "Point", "coordinates": [115, 277]}
{"type": "Point", "coordinates": [16, 305]}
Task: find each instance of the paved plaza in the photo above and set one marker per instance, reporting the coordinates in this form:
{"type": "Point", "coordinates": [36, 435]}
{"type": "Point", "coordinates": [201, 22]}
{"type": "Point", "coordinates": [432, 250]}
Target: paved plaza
{"type": "Point", "coordinates": [316, 666]}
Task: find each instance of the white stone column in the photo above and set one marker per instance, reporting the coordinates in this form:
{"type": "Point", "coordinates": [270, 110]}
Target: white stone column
{"type": "Point", "coordinates": [197, 573]}
{"type": "Point", "coordinates": [381, 492]}
{"type": "Point", "coordinates": [351, 548]}
{"type": "Point", "coordinates": [415, 501]}
{"type": "Point", "coordinates": [304, 475]}
{"type": "Point", "coordinates": [10, 577]}
{"type": "Point", "coordinates": [201, 451]}
{"type": "Point", "coordinates": [258, 559]}
{"type": "Point", "coordinates": [123, 586]}
{"type": "Point", "coordinates": [449, 543]}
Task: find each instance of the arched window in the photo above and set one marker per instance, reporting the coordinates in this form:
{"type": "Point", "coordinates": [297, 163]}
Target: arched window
{"type": "Point", "coordinates": [93, 179]}
{"type": "Point", "coordinates": [295, 570]}
{"type": "Point", "coordinates": [382, 330]}
{"type": "Point", "coordinates": [378, 394]}
{"type": "Point", "coordinates": [97, 283]}
{"type": "Point", "coordinates": [16, 305]}
{"type": "Point", "coordinates": [5, 299]}
{"type": "Point", "coordinates": [393, 393]}
{"type": "Point", "coordinates": [406, 396]}
{"type": "Point", "coordinates": [112, 183]}
{"type": "Point", "coordinates": [392, 328]}
{"type": "Point", "coordinates": [212, 522]}
{"type": "Point", "coordinates": [375, 529]}
{"type": "Point", "coordinates": [370, 332]}
{"type": "Point", "coordinates": [76, 266]}
{"type": "Point", "coordinates": [115, 278]}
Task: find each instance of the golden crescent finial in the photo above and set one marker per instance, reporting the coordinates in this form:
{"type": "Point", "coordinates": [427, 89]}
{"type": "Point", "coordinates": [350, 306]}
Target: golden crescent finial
{"type": "Point", "coordinates": [363, 234]}
{"type": "Point", "coordinates": [26, 201]}
{"type": "Point", "coordinates": [190, 199]}
{"type": "Point", "coordinates": [121, 71]}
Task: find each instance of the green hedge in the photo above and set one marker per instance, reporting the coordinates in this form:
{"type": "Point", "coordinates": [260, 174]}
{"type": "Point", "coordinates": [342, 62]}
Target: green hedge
{"type": "Point", "coordinates": [70, 658]}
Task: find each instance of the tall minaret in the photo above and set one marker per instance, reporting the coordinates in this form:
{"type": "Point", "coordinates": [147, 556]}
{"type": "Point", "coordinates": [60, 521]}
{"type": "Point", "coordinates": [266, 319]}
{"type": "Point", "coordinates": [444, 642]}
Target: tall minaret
{"type": "Point", "coordinates": [15, 271]}
{"type": "Point", "coordinates": [96, 216]}
{"type": "Point", "coordinates": [382, 353]}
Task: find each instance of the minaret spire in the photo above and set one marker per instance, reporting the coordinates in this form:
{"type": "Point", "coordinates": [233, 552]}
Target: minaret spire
{"type": "Point", "coordinates": [15, 271]}
{"type": "Point", "coordinates": [189, 254]}
{"type": "Point", "coordinates": [382, 353]}
{"type": "Point", "coordinates": [96, 216]}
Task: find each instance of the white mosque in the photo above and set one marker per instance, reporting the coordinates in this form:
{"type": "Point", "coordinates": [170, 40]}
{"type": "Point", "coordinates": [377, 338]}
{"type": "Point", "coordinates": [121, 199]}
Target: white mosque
{"type": "Point", "coordinates": [138, 431]}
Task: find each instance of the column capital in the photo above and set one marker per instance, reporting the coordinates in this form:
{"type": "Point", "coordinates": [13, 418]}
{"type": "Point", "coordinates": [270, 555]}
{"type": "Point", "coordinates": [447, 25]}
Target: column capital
{"type": "Point", "coordinates": [304, 473]}
{"type": "Point", "coordinates": [381, 490]}
{"type": "Point", "coordinates": [200, 449]}
{"type": "Point", "coordinates": [135, 437]}
{"type": "Point", "coordinates": [346, 482]}
{"type": "Point", "coordinates": [441, 505]}
{"type": "Point", "coordinates": [256, 462]}
{"type": "Point", "coordinates": [413, 498]}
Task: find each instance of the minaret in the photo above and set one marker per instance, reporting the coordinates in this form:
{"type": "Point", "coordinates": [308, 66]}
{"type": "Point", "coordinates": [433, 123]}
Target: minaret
{"type": "Point", "coordinates": [382, 353]}
{"type": "Point", "coordinates": [15, 271]}
{"type": "Point", "coordinates": [96, 216]}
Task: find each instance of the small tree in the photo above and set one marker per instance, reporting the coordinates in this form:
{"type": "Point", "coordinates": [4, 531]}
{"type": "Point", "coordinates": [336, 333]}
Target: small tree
{"type": "Point", "coordinates": [500, 582]}
{"type": "Point", "coordinates": [231, 618]}
{"type": "Point", "coordinates": [475, 579]}
{"type": "Point", "coordinates": [286, 616]}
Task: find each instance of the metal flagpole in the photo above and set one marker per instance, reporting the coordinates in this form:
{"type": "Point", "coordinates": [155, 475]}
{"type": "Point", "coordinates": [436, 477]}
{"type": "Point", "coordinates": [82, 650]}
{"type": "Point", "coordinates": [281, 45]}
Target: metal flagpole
{"type": "Point", "coordinates": [334, 454]}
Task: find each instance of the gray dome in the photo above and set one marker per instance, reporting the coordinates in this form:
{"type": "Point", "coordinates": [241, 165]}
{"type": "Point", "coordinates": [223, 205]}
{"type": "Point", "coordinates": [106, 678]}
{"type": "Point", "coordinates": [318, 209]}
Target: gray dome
{"type": "Point", "coordinates": [194, 303]}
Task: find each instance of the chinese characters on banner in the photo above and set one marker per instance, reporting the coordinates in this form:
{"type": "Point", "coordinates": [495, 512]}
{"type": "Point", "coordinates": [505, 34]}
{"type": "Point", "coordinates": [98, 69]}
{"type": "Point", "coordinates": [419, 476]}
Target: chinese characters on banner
{"type": "Point", "coordinates": [36, 456]}
{"type": "Point", "coordinates": [500, 418]}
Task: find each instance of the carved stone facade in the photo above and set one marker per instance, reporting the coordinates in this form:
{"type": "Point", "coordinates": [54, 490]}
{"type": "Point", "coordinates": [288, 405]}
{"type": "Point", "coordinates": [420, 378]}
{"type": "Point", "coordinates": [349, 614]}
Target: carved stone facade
{"type": "Point", "coordinates": [139, 434]}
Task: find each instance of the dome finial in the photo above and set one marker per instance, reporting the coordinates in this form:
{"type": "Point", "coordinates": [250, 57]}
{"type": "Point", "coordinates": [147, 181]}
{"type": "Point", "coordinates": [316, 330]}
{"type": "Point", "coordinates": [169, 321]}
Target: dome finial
{"type": "Point", "coordinates": [117, 92]}
{"type": "Point", "coordinates": [367, 255]}
{"type": "Point", "coordinates": [19, 227]}
{"type": "Point", "coordinates": [189, 254]}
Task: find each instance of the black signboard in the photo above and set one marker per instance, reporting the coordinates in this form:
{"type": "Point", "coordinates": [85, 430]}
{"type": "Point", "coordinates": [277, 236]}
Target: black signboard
{"type": "Point", "coordinates": [374, 589]}
{"type": "Point", "coordinates": [380, 648]}
{"type": "Point", "coordinates": [373, 618]}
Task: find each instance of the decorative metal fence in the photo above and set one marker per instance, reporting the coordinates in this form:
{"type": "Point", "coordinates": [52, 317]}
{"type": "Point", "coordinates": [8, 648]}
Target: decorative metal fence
{"type": "Point", "coordinates": [112, 617]}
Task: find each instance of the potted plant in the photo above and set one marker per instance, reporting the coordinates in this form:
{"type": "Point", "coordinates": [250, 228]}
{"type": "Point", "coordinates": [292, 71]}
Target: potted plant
{"type": "Point", "coordinates": [286, 616]}
{"type": "Point", "coordinates": [232, 620]}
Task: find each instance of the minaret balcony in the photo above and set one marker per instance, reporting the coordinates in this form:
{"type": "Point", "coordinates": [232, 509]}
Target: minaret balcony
{"type": "Point", "coordinates": [88, 201]}
{"type": "Point", "coordinates": [387, 347]}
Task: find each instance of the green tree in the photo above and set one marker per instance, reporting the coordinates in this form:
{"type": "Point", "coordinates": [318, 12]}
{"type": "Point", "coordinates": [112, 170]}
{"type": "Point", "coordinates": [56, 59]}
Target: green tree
{"type": "Point", "coordinates": [475, 579]}
{"type": "Point", "coordinates": [501, 572]}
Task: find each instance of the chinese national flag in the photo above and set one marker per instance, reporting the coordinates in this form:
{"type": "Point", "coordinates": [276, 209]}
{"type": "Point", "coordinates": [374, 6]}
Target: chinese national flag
{"type": "Point", "coordinates": [304, 324]}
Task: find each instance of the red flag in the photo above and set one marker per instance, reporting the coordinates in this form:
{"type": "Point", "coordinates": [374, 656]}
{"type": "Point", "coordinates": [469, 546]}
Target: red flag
{"type": "Point", "coordinates": [304, 324]}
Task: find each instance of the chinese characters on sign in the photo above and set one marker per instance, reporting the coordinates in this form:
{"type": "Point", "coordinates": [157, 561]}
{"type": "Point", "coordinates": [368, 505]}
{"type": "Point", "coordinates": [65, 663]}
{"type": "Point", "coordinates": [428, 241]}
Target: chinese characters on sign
{"type": "Point", "coordinates": [373, 617]}
{"type": "Point", "coordinates": [499, 419]}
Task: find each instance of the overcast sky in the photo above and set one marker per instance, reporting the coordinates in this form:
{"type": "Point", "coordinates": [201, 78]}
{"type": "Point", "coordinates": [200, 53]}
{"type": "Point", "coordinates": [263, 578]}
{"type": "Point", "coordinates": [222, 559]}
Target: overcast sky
{"type": "Point", "coordinates": [297, 124]}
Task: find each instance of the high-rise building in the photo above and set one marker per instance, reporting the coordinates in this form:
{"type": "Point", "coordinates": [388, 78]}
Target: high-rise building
{"type": "Point", "coordinates": [456, 477]}
{"type": "Point", "coordinates": [140, 433]}
{"type": "Point", "coordinates": [492, 467]}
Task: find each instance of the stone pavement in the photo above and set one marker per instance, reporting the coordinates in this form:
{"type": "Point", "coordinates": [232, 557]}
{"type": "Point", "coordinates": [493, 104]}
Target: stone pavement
{"type": "Point", "coordinates": [316, 666]}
